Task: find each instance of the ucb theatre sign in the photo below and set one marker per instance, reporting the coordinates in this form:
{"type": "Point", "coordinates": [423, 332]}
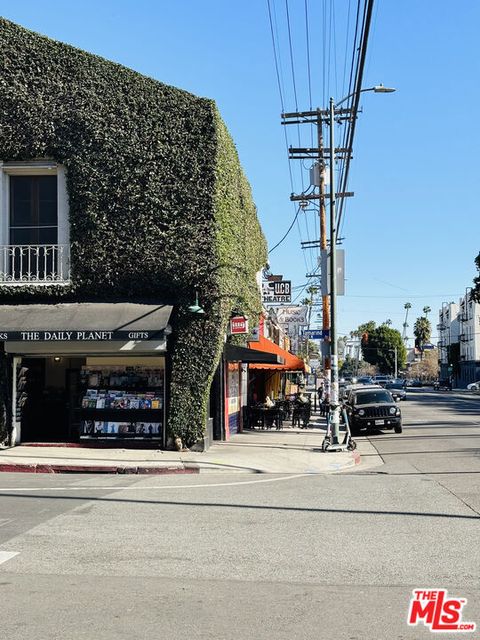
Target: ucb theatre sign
{"type": "Point", "coordinates": [277, 291]}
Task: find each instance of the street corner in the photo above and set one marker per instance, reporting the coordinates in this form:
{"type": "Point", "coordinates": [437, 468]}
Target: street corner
{"type": "Point", "coordinates": [366, 455]}
{"type": "Point", "coordinates": [344, 461]}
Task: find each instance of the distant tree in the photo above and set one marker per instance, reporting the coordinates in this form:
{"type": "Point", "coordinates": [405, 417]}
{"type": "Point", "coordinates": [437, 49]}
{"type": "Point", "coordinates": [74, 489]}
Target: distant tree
{"type": "Point", "coordinates": [349, 367]}
{"type": "Point", "coordinates": [422, 330]}
{"type": "Point", "coordinates": [379, 347]}
{"type": "Point", "coordinates": [366, 327]}
{"type": "Point", "coordinates": [426, 311]}
{"type": "Point", "coordinates": [308, 350]}
{"type": "Point", "coordinates": [363, 330]}
{"type": "Point", "coordinates": [388, 322]}
{"type": "Point", "coordinates": [476, 281]}
{"type": "Point", "coordinates": [366, 369]}
{"type": "Point", "coordinates": [426, 369]}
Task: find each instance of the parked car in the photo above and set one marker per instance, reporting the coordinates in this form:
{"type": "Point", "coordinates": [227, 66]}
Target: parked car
{"type": "Point", "coordinates": [364, 380]}
{"type": "Point", "coordinates": [474, 386]}
{"type": "Point", "coordinates": [381, 380]}
{"type": "Point", "coordinates": [372, 407]}
{"type": "Point", "coordinates": [397, 389]}
{"type": "Point", "coordinates": [443, 385]}
{"type": "Point", "coordinates": [346, 390]}
{"type": "Point", "coordinates": [415, 383]}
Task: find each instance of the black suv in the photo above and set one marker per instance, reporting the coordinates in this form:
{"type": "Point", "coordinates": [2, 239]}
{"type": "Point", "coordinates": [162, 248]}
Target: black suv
{"type": "Point", "coordinates": [372, 408]}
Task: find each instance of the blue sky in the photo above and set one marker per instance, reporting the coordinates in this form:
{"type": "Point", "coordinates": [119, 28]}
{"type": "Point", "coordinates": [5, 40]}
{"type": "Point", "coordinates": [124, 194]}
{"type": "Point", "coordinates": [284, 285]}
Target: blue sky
{"type": "Point", "coordinates": [412, 230]}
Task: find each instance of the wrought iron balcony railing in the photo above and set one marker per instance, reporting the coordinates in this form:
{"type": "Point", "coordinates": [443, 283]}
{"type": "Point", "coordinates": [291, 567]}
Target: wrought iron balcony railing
{"type": "Point", "coordinates": [34, 264]}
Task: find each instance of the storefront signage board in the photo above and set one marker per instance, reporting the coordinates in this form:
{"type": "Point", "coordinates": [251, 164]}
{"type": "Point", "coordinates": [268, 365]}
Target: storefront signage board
{"type": "Point", "coordinates": [78, 336]}
{"type": "Point", "coordinates": [238, 325]}
{"type": "Point", "coordinates": [277, 291]}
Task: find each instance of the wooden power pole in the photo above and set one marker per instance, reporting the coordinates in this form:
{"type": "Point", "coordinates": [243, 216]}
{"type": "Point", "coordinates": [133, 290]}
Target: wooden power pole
{"type": "Point", "coordinates": [317, 155]}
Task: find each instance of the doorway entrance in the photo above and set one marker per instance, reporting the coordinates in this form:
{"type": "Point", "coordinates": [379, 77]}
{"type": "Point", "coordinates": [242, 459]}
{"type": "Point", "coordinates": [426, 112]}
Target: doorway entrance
{"type": "Point", "coordinates": [49, 387]}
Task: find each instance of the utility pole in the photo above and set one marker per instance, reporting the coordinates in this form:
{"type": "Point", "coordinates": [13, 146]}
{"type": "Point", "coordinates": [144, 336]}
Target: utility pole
{"type": "Point", "coordinates": [334, 387]}
{"type": "Point", "coordinates": [322, 212]}
{"type": "Point", "coordinates": [317, 154]}
{"type": "Point", "coordinates": [334, 114]}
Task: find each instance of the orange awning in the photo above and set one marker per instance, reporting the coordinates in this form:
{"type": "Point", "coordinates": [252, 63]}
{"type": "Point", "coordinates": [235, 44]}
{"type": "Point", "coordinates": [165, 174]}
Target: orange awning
{"type": "Point", "coordinates": [291, 362]}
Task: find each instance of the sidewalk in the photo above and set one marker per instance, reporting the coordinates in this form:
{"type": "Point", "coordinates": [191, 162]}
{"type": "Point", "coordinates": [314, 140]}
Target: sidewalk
{"type": "Point", "coordinates": [286, 451]}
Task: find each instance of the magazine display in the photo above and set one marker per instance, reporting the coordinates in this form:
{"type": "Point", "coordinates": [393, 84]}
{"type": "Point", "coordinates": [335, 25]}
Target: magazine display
{"type": "Point", "coordinates": [116, 401]}
{"type": "Point", "coordinates": [131, 429]}
{"type": "Point", "coordinates": [114, 376]}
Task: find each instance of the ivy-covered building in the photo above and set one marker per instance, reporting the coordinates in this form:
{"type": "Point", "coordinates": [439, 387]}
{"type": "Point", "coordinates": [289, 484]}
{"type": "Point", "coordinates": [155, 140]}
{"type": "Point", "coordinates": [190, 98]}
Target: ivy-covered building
{"type": "Point", "coordinates": [121, 200]}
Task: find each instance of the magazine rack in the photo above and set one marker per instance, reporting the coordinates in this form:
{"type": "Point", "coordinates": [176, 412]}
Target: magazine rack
{"type": "Point", "coordinates": [121, 402]}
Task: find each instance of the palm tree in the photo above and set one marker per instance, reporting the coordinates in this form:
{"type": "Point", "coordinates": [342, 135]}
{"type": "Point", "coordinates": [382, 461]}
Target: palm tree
{"type": "Point", "coordinates": [422, 330]}
{"type": "Point", "coordinates": [388, 322]}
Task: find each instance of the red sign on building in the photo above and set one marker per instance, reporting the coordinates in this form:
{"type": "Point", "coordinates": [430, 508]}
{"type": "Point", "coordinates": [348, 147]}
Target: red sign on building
{"type": "Point", "coordinates": [238, 325]}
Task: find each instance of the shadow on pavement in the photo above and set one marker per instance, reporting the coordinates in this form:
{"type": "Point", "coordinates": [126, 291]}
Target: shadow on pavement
{"type": "Point", "coordinates": [221, 505]}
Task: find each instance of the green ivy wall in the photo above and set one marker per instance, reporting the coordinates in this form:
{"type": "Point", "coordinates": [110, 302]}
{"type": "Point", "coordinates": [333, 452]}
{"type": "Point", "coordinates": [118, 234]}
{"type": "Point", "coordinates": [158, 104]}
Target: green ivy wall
{"type": "Point", "coordinates": [159, 205]}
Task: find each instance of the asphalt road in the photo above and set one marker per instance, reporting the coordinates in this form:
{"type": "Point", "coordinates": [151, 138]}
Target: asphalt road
{"type": "Point", "coordinates": [259, 557]}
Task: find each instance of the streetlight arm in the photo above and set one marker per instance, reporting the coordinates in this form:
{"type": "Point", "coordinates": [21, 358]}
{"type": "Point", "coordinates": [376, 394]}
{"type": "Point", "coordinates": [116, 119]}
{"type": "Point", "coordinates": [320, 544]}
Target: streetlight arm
{"type": "Point", "coordinates": [379, 88]}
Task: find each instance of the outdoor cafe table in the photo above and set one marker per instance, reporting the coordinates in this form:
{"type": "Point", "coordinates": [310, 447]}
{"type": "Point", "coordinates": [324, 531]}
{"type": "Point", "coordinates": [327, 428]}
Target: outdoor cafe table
{"type": "Point", "coordinates": [265, 417]}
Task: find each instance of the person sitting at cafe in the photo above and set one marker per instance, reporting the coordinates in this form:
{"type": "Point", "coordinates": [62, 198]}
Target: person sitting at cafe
{"type": "Point", "coordinates": [302, 398]}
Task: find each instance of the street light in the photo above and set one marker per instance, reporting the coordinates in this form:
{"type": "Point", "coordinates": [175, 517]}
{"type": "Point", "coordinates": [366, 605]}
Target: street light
{"type": "Point", "coordinates": [334, 392]}
{"type": "Point", "coordinates": [379, 88]}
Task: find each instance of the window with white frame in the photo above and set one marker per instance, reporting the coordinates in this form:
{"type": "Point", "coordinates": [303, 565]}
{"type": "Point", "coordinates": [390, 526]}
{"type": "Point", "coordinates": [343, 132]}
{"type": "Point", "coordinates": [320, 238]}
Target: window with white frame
{"type": "Point", "coordinates": [34, 228]}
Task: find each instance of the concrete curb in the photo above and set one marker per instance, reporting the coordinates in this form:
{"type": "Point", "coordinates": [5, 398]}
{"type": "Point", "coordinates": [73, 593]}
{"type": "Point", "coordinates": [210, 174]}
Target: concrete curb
{"type": "Point", "coordinates": [306, 463]}
{"type": "Point", "coordinates": [356, 457]}
{"type": "Point", "coordinates": [89, 468]}
{"type": "Point", "coordinates": [353, 460]}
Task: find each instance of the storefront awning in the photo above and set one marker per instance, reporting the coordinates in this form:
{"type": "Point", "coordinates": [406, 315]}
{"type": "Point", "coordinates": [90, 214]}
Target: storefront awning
{"type": "Point", "coordinates": [232, 353]}
{"type": "Point", "coordinates": [291, 362]}
{"type": "Point", "coordinates": [83, 321]}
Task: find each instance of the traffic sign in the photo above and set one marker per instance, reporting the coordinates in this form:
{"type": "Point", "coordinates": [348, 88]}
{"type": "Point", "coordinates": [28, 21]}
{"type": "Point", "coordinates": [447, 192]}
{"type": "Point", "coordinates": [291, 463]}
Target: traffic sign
{"type": "Point", "coordinates": [316, 334]}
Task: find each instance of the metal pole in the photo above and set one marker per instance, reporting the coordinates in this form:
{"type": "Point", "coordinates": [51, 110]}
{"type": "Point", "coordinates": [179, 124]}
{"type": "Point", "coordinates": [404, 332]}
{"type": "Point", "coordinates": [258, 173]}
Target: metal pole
{"type": "Point", "coordinates": [396, 364]}
{"type": "Point", "coordinates": [323, 244]}
{"type": "Point", "coordinates": [334, 406]}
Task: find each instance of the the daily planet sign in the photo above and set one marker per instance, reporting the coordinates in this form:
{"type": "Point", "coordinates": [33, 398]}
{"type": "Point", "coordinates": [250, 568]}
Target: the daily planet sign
{"type": "Point", "coordinates": [79, 336]}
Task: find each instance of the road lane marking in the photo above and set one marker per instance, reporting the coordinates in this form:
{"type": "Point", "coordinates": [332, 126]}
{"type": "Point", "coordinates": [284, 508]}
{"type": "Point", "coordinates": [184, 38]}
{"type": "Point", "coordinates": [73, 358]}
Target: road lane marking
{"type": "Point", "coordinates": [4, 521]}
{"type": "Point", "coordinates": [7, 555]}
{"type": "Point", "coordinates": [150, 488]}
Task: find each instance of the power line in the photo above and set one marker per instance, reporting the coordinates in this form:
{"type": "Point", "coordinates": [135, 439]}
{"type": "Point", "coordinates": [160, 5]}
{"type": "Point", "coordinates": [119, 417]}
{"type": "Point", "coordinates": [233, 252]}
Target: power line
{"type": "Point", "coordinates": [288, 231]}
{"type": "Point", "coordinates": [358, 36]}
{"type": "Point", "coordinates": [346, 47]}
{"type": "Point", "coordinates": [294, 83]}
{"type": "Point", "coordinates": [425, 296]}
{"type": "Point", "coordinates": [275, 56]}
{"type": "Point", "coordinates": [291, 56]}
{"type": "Point", "coordinates": [307, 40]}
{"type": "Point", "coordinates": [279, 75]}
{"type": "Point", "coordinates": [356, 98]}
